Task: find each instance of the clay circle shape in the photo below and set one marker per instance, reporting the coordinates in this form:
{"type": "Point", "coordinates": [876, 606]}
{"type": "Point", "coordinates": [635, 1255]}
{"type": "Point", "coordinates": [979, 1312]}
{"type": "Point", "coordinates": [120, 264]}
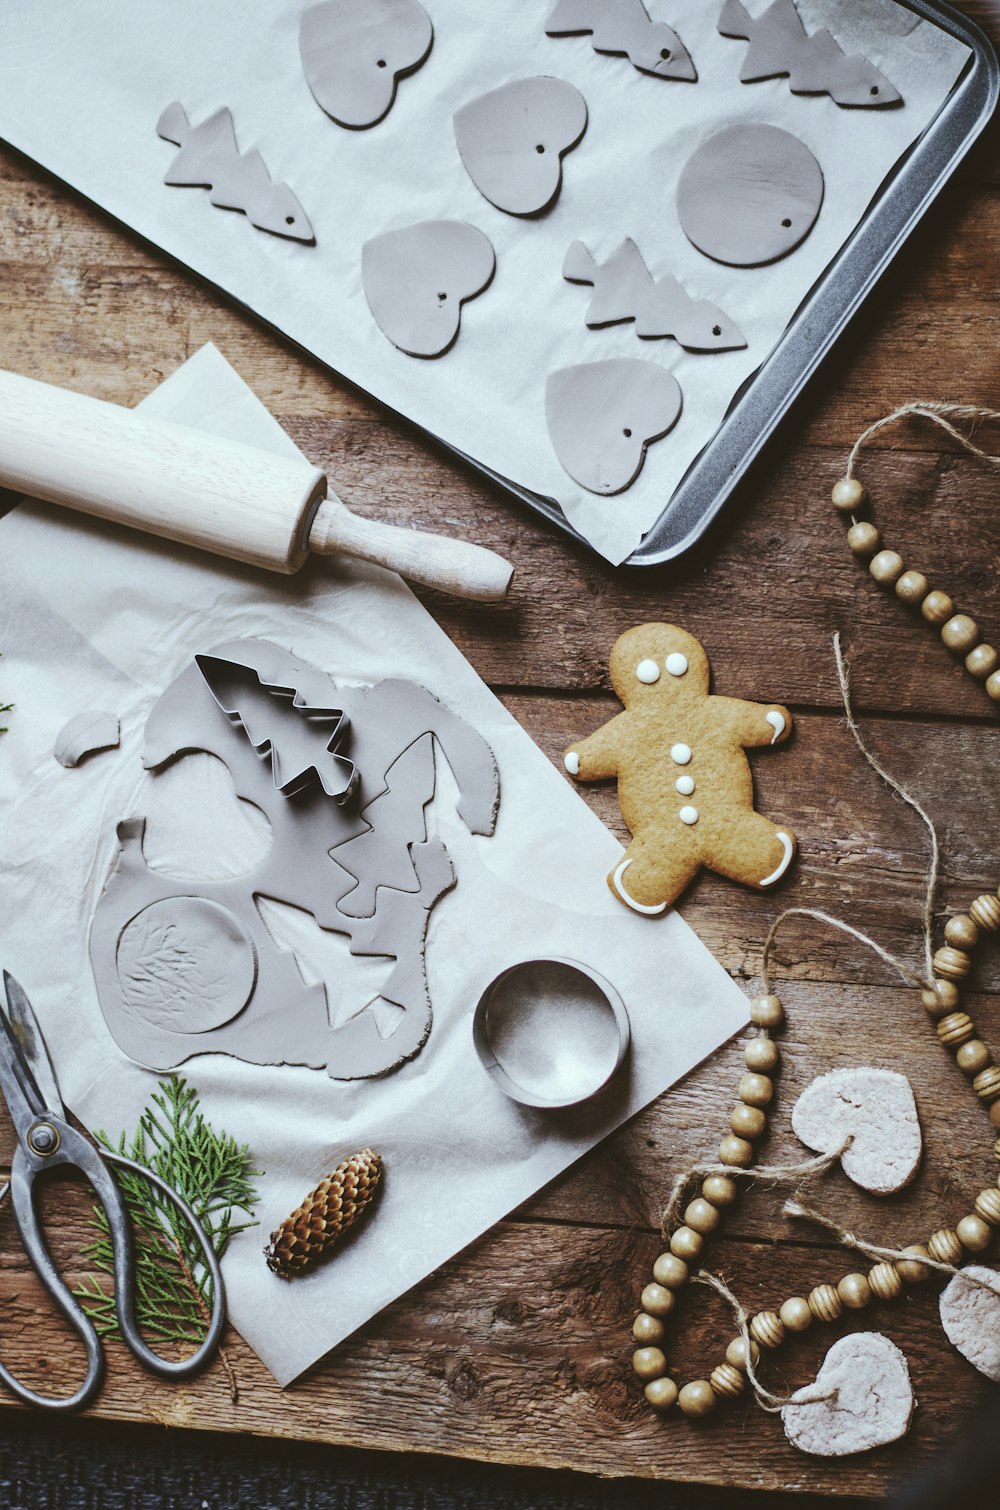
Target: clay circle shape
{"type": "Point", "coordinates": [749, 195]}
{"type": "Point", "coordinates": [353, 55]}
{"type": "Point", "coordinates": [417, 279]}
{"type": "Point", "coordinates": [186, 965]}
{"type": "Point", "coordinates": [512, 141]}
{"type": "Point", "coordinates": [602, 416]}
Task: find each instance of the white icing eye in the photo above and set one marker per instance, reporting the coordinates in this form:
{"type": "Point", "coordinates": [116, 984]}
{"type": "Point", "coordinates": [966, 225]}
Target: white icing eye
{"type": "Point", "coordinates": [680, 754]}
{"type": "Point", "coordinates": [688, 815]}
{"type": "Point", "coordinates": [676, 663]}
{"type": "Point", "coordinates": [571, 761]}
{"type": "Point", "coordinates": [648, 672]}
{"type": "Point", "coordinates": [685, 785]}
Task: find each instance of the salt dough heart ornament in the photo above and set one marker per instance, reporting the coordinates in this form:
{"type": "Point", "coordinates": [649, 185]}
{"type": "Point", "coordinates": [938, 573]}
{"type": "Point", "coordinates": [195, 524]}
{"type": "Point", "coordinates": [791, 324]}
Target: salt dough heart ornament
{"type": "Point", "coordinates": [512, 141]}
{"type": "Point", "coordinates": [602, 416]}
{"type": "Point", "coordinates": [970, 1316]}
{"type": "Point", "coordinates": [417, 279]}
{"type": "Point", "coordinates": [873, 1108]}
{"type": "Point", "coordinates": [862, 1398]}
{"type": "Point", "coordinates": [353, 55]}
{"type": "Point", "coordinates": [749, 195]}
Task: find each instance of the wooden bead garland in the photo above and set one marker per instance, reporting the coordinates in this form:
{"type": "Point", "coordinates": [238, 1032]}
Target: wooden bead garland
{"type": "Point", "coordinates": [826, 1303]}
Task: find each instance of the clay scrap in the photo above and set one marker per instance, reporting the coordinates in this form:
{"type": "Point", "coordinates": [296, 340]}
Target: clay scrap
{"type": "Point", "coordinates": [84, 735]}
{"type": "Point", "coordinates": [749, 195]}
{"type": "Point", "coordinates": [625, 290]}
{"type": "Point", "coordinates": [780, 45]}
{"type": "Point", "coordinates": [417, 279]}
{"type": "Point", "coordinates": [623, 28]}
{"type": "Point", "coordinates": [513, 140]}
{"type": "Point", "coordinates": [602, 416]}
{"type": "Point", "coordinates": [210, 159]}
{"type": "Point", "coordinates": [354, 55]}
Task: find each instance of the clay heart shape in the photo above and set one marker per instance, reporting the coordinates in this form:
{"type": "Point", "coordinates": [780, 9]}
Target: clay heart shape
{"type": "Point", "coordinates": [862, 1398]}
{"type": "Point", "coordinates": [417, 279]}
{"type": "Point", "coordinates": [970, 1316]}
{"type": "Point", "coordinates": [354, 55]}
{"type": "Point", "coordinates": [873, 1108]}
{"type": "Point", "coordinates": [602, 416]}
{"type": "Point", "coordinates": [512, 141]}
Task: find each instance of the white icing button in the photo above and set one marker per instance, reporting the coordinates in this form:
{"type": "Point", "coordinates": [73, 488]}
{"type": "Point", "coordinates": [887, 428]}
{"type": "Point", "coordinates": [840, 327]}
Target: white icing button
{"type": "Point", "coordinates": [571, 761]}
{"type": "Point", "coordinates": [648, 672]}
{"type": "Point", "coordinates": [685, 785]}
{"type": "Point", "coordinates": [676, 663]}
{"type": "Point", "coordinates": [688, 815]}
{"type": "Point", "coordinates": [777, 722]}
{"type": "Point", "coordinates": [680, 754]}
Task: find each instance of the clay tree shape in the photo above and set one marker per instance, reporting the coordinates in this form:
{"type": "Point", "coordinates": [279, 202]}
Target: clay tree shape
{"type": "Point", "coordinates": [749, 195]}
{"type": "Point", "coordinates": [513, 140]}
{"type": "Point", "coordinates": [210, 159]}
{"type": "Point", "coordinates": [780, 44]}
{"type": "Point", "coordinates": [354, 55]}
{"type": "Point", "coordinates": [623, 28]}
{"type": "Point", "coordinates": [417, 279]}
{"type": "Point", "coordinates": [625, 290]}
{"type": "Point", "coordinates": [602, 416]}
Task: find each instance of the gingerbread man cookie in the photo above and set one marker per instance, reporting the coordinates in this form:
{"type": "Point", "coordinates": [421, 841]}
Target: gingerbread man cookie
{"type": "Point", "coordinates": [684, 783]}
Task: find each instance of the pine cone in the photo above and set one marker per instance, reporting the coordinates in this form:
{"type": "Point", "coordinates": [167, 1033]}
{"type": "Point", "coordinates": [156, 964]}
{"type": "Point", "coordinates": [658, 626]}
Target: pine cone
{"type": "Point", "coordinates": [327, 1212]}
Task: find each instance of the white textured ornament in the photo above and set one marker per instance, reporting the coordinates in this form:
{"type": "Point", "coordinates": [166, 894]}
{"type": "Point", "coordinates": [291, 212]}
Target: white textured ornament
{"type": "Point", "coordinates": [862, 1398]}
{"type": "Point", "coordinates": [970, 1316]}
{"type": "Point", "coordinates": [873, 1108]}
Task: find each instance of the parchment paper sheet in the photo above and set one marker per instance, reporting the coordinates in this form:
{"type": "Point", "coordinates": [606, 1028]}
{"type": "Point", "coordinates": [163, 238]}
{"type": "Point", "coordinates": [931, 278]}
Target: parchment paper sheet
{"type": "Point", "coordinates": [82, 87]}
{"type": "Point", "coordinates": [92, 616]}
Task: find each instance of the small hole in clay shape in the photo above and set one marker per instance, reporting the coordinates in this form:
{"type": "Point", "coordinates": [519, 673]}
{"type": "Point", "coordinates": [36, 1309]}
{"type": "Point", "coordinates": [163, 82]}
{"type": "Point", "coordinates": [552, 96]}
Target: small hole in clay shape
{"type": "Point", "coordinates": [874, 90]}
{"type": "Point", "coordinates": [786, 223]}
{"type": "Point", "coordinates": [289, 219]}
{"type": "Point", "coordinates": [665, 53]}
{"type": "Point", "coordinates": [716, 330]}
{"type": "Point", "coordinates": [627, 434]}
{"type": "Point", "coordinates": [381, 63]}
{"type": "Point", "coordinates": [539, 148]}
{"type": "Point", "coordinates": [441, 298]}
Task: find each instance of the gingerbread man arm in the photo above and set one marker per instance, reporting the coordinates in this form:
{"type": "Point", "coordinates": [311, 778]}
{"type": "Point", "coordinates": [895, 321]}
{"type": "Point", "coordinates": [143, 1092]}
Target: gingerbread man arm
{"type": "Point", "coordinates": [596, 757]}
{"type": "Point", "coordinates": [756, 723]}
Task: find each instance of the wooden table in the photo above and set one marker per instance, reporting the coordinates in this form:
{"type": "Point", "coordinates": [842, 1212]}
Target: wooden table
{"type": "Point", "coordinates": [518, 1350]}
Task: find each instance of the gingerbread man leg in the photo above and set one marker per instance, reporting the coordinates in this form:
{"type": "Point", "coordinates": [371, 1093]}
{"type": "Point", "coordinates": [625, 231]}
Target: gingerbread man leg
{"type": "Point", "coordinates": [751, 849]}
{"type": "Point", "coordinates": [652, 874]}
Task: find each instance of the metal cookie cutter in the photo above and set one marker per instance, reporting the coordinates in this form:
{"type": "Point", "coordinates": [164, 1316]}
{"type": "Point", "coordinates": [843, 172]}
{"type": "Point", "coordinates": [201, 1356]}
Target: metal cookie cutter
{"type": "Point", "coordinates": [551, 1032]}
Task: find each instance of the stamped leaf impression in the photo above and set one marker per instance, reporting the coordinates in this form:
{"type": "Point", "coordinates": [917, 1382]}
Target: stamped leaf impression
{"type": "Point", "coordinates": [354, 55]}
{"type": "Point", "coordinates": [602, 416]}
{"type": "Point", "coordinates": [862, 1398]}
{"type": "Point", "coordinates": [512, 141]}
{"type": "Point", "coordinates": [623, 29]}
{"type": "Point", "coordinates": [970, 1315]}
{"type": "Point", "coordinates": [624, 289]}
{"type": "Point", "coordinates": [417, 279]}
{"type": "Point", "coordinates": [873, 1112]}
{"type": "Point", "coordinates": [780, 45]}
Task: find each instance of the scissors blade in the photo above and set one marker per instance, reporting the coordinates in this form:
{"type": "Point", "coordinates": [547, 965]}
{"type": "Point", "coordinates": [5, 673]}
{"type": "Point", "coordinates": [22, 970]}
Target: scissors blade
{"type": "Point", "coordinates": [26, 1036]}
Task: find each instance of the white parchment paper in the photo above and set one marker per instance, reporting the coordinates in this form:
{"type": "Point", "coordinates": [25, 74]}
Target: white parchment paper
{"type": "Point", "coordinates": [82, 87]}
{"type": "Point", "coordinates": [93, 616]}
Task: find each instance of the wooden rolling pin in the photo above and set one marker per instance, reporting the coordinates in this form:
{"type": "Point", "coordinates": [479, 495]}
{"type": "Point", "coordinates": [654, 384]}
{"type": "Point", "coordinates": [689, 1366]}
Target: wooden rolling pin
{"type": "Point", "coordinates": [269, 511]}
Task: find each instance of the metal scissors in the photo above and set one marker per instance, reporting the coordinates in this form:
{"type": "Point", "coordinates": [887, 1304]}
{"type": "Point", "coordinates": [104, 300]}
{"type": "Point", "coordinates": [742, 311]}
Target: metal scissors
{"type": "Point", "coordinates": [46, 1141]}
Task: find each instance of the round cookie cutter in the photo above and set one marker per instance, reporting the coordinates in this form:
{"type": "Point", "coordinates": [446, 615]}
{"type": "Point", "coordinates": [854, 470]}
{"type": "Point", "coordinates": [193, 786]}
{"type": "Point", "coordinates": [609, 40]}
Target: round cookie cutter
{"type": "Point", "coordinates": [551, 1032]}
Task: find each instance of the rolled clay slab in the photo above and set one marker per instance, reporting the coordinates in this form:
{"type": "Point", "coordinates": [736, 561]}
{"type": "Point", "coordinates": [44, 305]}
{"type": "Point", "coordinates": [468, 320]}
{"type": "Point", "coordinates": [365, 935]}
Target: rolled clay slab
{"type": "Point", "coordinates": [602, 415]}
{"type": "Point", "coordinates": [512, 141]}
{"type": "Point", "coordinates": [353, 55]}
{"type": "Point", "coordinates": [417, 279]}
{"type": "Point", "coordinates": [749, 195]}
{"type": "Point", "coordinates": [862, 1398]}
{"type": "Point", "coordinates": [873, 1108]}
{"type": "Point", "coordinates": [970, 1316]}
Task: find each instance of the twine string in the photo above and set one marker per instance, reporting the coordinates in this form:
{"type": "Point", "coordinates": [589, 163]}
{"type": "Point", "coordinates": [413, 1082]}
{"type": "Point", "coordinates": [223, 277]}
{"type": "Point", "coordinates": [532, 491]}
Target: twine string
{"type": "Point", "coordinates": [769, 1174]}
{"type": "Point", "coordinates": [937, 412]}
{"type": "Point", "coordinates": [766, 1398]}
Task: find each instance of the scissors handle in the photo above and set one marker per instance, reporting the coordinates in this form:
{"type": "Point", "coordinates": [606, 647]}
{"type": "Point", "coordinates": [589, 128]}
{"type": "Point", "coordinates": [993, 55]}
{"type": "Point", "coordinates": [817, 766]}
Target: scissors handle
{"type": "Point", "coordinates": [76, 1152]}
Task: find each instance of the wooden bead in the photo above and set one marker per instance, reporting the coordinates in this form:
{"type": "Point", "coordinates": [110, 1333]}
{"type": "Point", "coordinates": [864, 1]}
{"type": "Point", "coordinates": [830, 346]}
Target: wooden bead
{"type": "Point", "coordinates": [767, 1012]}
{"type": "Point", "coordinates": [766, 1328]}
{"type": "Point", "coordinates": [848, 495]}
{"type": "Point", "coordinates": [995, 1119]}
{"type": "Point", "coordinates": [936, 607]}
{"type": "Point", "coordinates": [855, 1291]}
{"type": "Point", "coordinates": [719, 1189]}
{"type": "Point", "coordinates": [993, 686]}
{"type": "Point", "coordinates": [985, 913]}
{"type": "Point", "coordinates": [988, 1206]}
{"type": "Point", "coordinates": [736, 1152]}
{"type": "Point", "coordinates": [987, 1084]}
{"type": "Point", "coordinates": [736, 1353]}
{"type": "Point", "coordinates": [863, 538]}
{"type": "Point", "coordinates": [944, 1246]}
{"type": "Point", "coordinates": [951, 964]}
{"type": "Point", "coordinates": [661, 1394]}
{"type": "Point", "coordinates": [670, 1271]}
{"type": "Point", "coordinates": [886, 567]}
{"type": "Point", "coordinates": [909, 1268]}
{"type": "Point", "coordinates": [825, 1303]}
{"type": "Point", "coordinates": [956, 1028]}
{"type": "Point", "coordinates": [795, 1315]}
{"type": "Point", "coordinates": [912, 588]}
{"type": "Point", "coordinates": [982, 661]}
{"type": "Point", "coordinates": [960, 633]}
{"type": "Point", "coordinates": [755, 1090]}
{"type": "Point", "coordinates": [996, 1146]}
{"type": "Point", "coordinates": [944, 998]}
{"type": "Point", "coordinates": [885, 1282]}
{"type": "Point", "coordinates": [747, 1121]}
{"type": "Point", "coordinates": [656, 1300]}
{"type": "Point", "coordinates": [647, 1330]}
{"type": "Point", "coordinates": [701, 1216]}
{"type": "Point", "coordinates": [728, 1381]}
{"type": "Point", "coordinates": [697, 1398]}
{"type": "Point", "coordinates": [649, 1362]}
{"type": "Point", "coordinates": [687, 1244]}
{"type": "Point", "coordinates": [761, 1054]}
{"type": "Point", "coordinates": [973, 1233]}
{"type": "Point", "coordinates": [961, 932]}
{"type": "Point", "coordinates": [973, 1056]}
